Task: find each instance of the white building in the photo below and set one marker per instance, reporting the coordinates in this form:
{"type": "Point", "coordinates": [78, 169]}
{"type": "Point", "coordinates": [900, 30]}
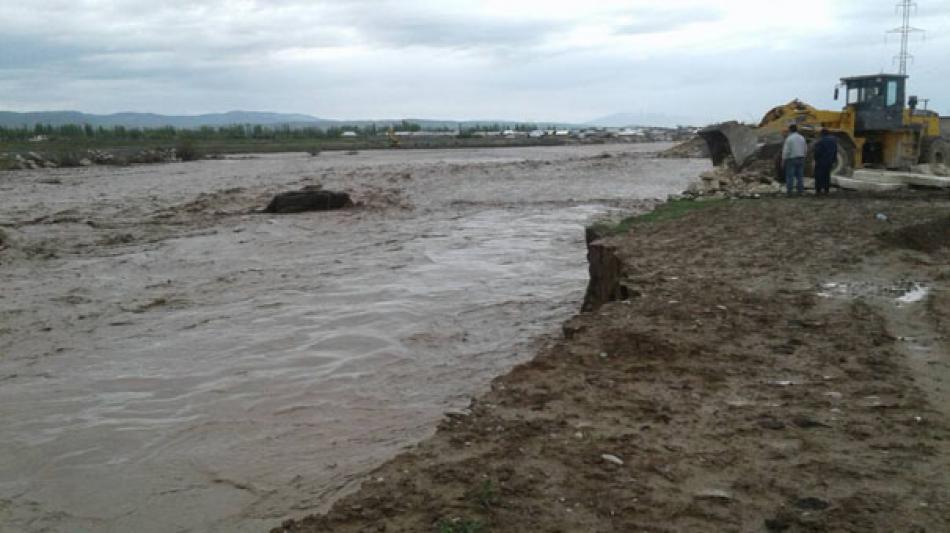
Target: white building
{"type": "Point", "coordinates": [631, 132]}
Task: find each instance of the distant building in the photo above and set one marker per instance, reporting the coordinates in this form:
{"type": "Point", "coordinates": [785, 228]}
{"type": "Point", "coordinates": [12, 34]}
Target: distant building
{"type": "Point", "coordinates": [593, 133]}
{"type": "Point", "coordinates": [631, 132]}
{"type": "Point", "coordinates": [349, 134]}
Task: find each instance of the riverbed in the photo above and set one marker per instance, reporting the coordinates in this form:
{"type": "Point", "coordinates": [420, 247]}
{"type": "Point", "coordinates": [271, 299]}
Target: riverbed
{"type": "Point", "coordinates": [173, 360]}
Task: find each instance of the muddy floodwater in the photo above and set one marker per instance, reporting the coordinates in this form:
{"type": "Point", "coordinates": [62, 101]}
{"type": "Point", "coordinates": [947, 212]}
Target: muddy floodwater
{"type": "Point", "coordinates": [172, 361]}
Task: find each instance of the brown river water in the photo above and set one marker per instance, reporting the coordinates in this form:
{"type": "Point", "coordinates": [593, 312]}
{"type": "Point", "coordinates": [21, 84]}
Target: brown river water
{"type": "Point", "coordinates": [172, 361]}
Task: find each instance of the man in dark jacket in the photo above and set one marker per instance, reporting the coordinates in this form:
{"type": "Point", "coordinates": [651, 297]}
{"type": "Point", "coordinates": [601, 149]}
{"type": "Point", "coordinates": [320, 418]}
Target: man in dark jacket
{"type": "Point", "coordinates": [826, 152]}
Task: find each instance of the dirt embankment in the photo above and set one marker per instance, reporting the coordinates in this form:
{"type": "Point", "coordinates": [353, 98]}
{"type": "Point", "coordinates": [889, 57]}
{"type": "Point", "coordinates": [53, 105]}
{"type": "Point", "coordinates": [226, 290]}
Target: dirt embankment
{"type": "Point", "coordinates": [774, 365]}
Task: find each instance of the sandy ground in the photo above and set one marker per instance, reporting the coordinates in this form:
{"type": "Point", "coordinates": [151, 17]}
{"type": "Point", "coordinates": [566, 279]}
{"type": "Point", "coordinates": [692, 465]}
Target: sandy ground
{"type": "Point", "coordinates": [776, 365]}
{"type": "Point", "coordinates": [172, 361]}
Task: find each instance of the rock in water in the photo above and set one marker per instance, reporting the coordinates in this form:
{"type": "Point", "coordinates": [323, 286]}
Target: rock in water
{"type": "Point", "coordinates": [308, 200]}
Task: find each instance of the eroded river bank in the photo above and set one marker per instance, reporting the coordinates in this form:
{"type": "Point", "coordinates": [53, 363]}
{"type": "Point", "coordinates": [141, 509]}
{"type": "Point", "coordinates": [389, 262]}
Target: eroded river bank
{"type": "Point", "coordinates": [170, 361]}
{"type": "Point", "coordinates": [775, 365]}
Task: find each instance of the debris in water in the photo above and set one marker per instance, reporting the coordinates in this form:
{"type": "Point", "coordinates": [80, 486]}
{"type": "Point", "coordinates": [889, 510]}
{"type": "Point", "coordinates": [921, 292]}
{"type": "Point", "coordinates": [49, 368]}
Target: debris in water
{"type": "Point", "coordinates": [612, 459]}
{"type": "Point", "coordinates": [771, 423]}
{"type": "Point", "coordinates": [807, 422]}
{"type": "Point", "coordinates": [916, 294]}
{"type": "Point", "coordinates": [308, 199]}
{"type": "Point", "coordinates": [714, 494]}
{"type": "Point", "coordinates": [812, 504]}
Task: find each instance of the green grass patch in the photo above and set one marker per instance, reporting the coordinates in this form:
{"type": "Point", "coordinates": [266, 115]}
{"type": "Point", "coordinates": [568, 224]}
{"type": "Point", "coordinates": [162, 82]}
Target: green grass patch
{"type": "Point", "coordinates": [460, 525]}
{"type": "Point", "coordinates": [485, 494]}
{"type": "Point", "coordinates": [668, 211]}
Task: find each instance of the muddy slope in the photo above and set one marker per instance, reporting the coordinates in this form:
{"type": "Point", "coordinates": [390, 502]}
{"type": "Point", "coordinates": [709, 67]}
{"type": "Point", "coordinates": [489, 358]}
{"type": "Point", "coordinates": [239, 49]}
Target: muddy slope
{"type": "Point", "coordinates": [777, 365]}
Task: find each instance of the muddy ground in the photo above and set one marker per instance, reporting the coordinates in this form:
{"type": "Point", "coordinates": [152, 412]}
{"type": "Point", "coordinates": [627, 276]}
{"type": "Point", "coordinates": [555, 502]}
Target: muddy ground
{"type": "Point", "coordinates": [774, 365]}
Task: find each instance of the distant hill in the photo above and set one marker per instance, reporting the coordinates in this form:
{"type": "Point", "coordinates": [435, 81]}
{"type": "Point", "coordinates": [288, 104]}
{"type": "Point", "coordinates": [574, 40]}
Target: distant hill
{"type": "Point", "coordinates": [619, 120]}
{"type": "Point", "coordinates": [150, 120]}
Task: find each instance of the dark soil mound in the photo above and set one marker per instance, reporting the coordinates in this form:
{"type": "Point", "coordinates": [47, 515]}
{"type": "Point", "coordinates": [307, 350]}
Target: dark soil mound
{"type": "Point", "coordinates": [308, 200]}
{"type": "Point", "coordinates": [925, 237]}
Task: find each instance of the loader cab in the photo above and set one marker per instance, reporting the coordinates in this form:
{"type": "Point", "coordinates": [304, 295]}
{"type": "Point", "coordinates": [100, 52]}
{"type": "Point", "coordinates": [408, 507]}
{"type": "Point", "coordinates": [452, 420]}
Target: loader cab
{"type": "Point", "coordinates": [878, 101]}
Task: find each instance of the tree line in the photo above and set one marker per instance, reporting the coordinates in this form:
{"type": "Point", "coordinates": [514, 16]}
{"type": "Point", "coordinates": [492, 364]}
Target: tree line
{"type": "Point", "coordinates": [170, 133]}
{"type": "Point", "coordinates": [230, 132]}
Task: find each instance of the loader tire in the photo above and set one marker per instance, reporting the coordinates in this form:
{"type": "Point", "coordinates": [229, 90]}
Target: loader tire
{"type": "Point", "coordinates": [934, 151]}
{"type": "Point", "coordinates": [844, 164]}
{"type": "Point", "coordinates": [779, 168]}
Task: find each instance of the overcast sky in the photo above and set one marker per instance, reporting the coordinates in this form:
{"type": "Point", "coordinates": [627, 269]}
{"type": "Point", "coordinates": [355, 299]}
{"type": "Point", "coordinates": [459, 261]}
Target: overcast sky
{"type": "Point", "coordinates": [532, 60]}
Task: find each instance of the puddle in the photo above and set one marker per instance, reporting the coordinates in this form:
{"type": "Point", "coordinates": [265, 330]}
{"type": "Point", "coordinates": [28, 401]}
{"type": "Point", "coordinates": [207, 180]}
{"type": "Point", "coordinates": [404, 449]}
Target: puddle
{"type": "Point", "coordinates": [905, 292]}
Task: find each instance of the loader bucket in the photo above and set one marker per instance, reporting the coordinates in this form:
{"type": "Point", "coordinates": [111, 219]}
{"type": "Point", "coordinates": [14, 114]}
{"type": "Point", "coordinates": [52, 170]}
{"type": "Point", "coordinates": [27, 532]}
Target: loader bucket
{"type": "Point", "coordinates": [730, 139]}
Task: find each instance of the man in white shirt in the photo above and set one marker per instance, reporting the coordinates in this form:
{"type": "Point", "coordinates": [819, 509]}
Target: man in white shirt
{"type": "Point", "coordinates": [793, 160]}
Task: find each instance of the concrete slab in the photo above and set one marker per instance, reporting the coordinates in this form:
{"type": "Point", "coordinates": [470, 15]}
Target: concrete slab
{"type": "Point", "coordinates": [855, 184]}
{"type": "Point", "coordinates": [928, 180]}
{"type": "Point", "coordinates": [880, 176]}
{"type": "Point", "coordinates": [886, 177]}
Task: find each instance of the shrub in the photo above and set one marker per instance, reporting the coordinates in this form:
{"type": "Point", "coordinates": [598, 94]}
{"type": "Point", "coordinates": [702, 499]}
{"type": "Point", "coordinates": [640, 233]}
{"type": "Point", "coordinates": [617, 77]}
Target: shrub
{"type": "Point", "coordinates": [187, 151]}
{"type": "Point", "coordinates": [485, 494]}
{"type": "Point", "coordinates": [68, 158]}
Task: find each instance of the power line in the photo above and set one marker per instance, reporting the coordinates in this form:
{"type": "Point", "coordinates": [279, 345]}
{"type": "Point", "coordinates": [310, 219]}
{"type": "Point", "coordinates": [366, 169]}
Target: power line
{"type": "Point", "coordinates": [904, 8]}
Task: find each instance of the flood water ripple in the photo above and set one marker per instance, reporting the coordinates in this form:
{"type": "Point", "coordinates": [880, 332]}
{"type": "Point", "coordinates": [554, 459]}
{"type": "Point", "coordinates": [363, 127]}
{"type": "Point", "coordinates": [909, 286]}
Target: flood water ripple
{"type": "Point", "coordinates": [172, 361]}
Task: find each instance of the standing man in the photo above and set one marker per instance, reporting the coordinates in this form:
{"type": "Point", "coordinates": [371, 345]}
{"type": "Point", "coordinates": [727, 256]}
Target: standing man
{"type": "Point", "coordinates": [826, 152]}
{"type": "Point", "coordinates": [793, 158]}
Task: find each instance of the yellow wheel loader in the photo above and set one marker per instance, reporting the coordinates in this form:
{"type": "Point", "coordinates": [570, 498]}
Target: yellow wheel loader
{"type": "Point", "coordinates": [874, 130]}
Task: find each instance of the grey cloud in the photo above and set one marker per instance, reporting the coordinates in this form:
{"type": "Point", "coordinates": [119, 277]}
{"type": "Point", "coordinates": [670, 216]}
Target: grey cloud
{"type": "Point", "coordinates": [19, 52]}
{"type": "Point", "coordinates": [658, 20]}
{"type": "Point", "coordinates": [407, 56]}
{"type": "Point", "coordinates": [405, 29]}
{"type": "Point", "coordinates": [885, 14]}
